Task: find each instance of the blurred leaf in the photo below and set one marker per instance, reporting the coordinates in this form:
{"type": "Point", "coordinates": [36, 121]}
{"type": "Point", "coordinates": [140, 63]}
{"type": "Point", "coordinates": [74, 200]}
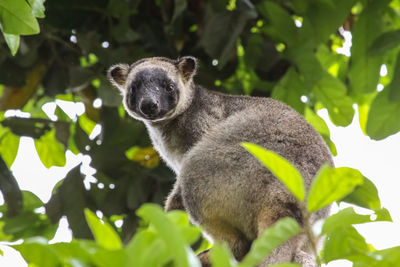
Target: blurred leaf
{"type": "Point", "coordinates": [139, 249]}
{"type": "Point", "coordinates": [281, 168]}
{"type": "Point", "coordinates": [319, 124]}
{"type": "Point", "coordinates": [17, 18]}
{"type": "Point", "coordinates": [327, 16]}
{"type": "Point", "coordinates": [9, 144]}
{"type": "Point", "coordinates": [383, 116]}
{"type": "Point", "coordinates": [12, 41]}
{"type": "Point", "coordinates": [50, 151]}
{"type": "Point", "coordinates": [272, 237]}
{"type": "Point", "coordinates": [31, 201]}
{"type": "Point", "coordinates": [394, 86]}
{"type": "Point", "coordinates": [282, 25]}
{"type": "Point", "coordinates": [332, 94]}
{"type": "Point", "coordinates": [37, 8]}
{"type": "Point", "coordinates": [364, 69]}
{"type": "Point", "coordinates": [86, 124]}
{"type": "Point", "coordinates": [190, 232]}
{"type": "Point", "coordinates": [147, 156]}
{"type": "Point", "coordinates": [384, 42]}
{"type": "Point", "coordinates": [36, 251]}
{"type": "Point", "coordinates": [289, 89]}
{"type": "Point", "coordinates": [364, 195]}
{"type": "Point", "coordinates": [72, 207]}
{"type": "Point", "coordinates": [103, 233]}
{"type": "Point", "coordinates": [347, 217]}
{"type": "Point", "coordinates": [168, 232]}
{"type": "Point", "coordinates": [222, 29]}
{"type": "Point", "coordinates": [221, 256]}
{"type": "Point", "coordinates": [332, 184]}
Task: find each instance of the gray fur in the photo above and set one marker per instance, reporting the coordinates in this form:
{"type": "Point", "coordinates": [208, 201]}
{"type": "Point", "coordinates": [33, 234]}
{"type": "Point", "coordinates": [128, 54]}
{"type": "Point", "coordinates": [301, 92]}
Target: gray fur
{"type": "Point", "coordinates": [222, 187]}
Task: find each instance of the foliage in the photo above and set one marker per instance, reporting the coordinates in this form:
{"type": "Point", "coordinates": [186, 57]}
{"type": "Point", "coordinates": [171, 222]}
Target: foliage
{"type": "Point", "coordinates": [55, 53]}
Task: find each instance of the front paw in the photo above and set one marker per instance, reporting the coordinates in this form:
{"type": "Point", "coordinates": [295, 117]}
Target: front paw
{"type": "Point", "coordinates": [204, 258]}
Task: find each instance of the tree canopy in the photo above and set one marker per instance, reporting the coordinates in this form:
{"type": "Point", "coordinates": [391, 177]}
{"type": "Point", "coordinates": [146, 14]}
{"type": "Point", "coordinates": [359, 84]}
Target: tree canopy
{"type": "Point", "coordinates": [293, 51]}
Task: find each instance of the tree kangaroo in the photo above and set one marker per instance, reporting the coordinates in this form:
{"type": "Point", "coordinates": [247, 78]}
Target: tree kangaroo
{"type": "Point", "coordinates": [198, 133]}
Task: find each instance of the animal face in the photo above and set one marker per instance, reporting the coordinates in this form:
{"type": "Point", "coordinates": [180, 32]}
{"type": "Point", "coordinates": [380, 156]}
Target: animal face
{"type": "Point", "coordinates": [155, 89]}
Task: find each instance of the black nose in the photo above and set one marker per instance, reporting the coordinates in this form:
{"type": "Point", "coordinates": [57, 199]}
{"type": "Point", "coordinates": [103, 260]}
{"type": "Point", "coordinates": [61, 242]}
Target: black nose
{"type": "Point", "coordinates": [149, 108]}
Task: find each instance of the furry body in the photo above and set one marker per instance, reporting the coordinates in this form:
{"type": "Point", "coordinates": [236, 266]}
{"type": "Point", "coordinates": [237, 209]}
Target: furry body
{"type": "Point", "coordinates": [222, 187]}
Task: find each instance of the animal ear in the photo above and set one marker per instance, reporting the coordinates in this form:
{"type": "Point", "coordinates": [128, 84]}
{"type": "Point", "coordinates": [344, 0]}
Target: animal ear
{"type": "Point", "coordinates": [187, 66]}
{"type": "Point", "coordinates": [117, 75]}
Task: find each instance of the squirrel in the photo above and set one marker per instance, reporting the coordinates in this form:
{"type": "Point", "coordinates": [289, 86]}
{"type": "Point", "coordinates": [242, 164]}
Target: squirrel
{"type": "Point", "coordinates": [219, 184]}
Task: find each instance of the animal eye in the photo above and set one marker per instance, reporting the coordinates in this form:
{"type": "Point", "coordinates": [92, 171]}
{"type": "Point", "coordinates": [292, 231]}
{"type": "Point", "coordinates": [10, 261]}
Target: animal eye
{"type": "Point", "coordinates": [170, 87]}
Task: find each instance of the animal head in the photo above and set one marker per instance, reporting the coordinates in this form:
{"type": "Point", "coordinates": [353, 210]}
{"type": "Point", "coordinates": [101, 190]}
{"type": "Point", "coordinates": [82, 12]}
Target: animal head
{"type": "Point", "coordinates": [155, 89]}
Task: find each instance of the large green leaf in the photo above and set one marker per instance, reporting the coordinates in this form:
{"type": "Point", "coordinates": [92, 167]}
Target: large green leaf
{"type": "Point", "coordinates": [349, 217]}
{"type": "Point", "coordinates": [344, 243]}
{"type": "Point", "coordinates": [169, 233]}
{"type": "Point", "coordinates": [364, 195]}
{"type": "Point", "coordinates": [221, 256]}
{"type": "Point", "coordinates": [50, 151]}
{"type": "Point", "coordinates": [331, 92]}
{"type": "Point", "coordinates": [383, 117]}
{"type": "Point", "coordinates": [272, 237]}
{"type": "Point", "coordinates": [16, 18]}
{"type": "Point", "coordinates": [281, 168]}
{"type": "Point", "coordinates": [332, 184]}
{"type": "Point", "coordinates": [103, 233]}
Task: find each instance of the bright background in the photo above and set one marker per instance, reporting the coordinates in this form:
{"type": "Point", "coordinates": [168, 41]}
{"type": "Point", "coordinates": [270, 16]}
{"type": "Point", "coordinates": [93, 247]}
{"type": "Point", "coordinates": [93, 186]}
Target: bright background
{"type": "Point", "coordinates": [377, 160]}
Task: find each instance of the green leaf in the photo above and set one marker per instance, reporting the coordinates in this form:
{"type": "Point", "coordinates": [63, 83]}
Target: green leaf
{"type": "Point", "coordinates": [332, 184]}
{"type": "Point", "coordinates": [344, 243]}
{"type": "Point", "coordinates": [168, 232]}
{"type": "Point", "coordinates": [139, 249]}
{"type": "Point", "coordinates": [364, 195]}
{"type": "Point", "coordinates": [384, 42]}
{"type": "Point", "coordinates": [181, 219]}
{"type": "Point", "coordinates": [383, 117]}
{"type": "Point", "coordinates": [17, 18]}
{"type": "Point", "coordinates": [36, 251]}
{"type": "Point", "coordinates": [50, 151]}
{"type": "Point", "coordinates": [289, 89]}
{"type": "Point", "coordinates": [394, 86]}
{"type": "Point", "coordinates": [103, 233]}
{"type": "Point", "coordinates": [327, 16]}
{"type": "Point", "coordinates": [86, 124]}
{"type": "Point", "coordinates": [348, 217]}
{"type": "Point", "coordinates": [331, 92]}
{"type": "Point", "coordinates": [221, 256]}
{"type": "Point", "coordinates": [319, 124]}
{"type": "Point", "coordinates": [12, 41]}
{"type": "Point", "coordinates": [272, 237]}
{"type": "Point", "coordinates": [281, 168]}
{"type": "Point", "coordinates": [37, 8]}
{"type": "Point", "coordinates": [30, 201]}
{"type": "Point", "coordinates": [9, 144]}
{"type": "Point", "coordinates": [285, 265]}
{"type": "Point", "coordinates": [364, 69]}
{"type": "Point", "coordinates": [282, 25]}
